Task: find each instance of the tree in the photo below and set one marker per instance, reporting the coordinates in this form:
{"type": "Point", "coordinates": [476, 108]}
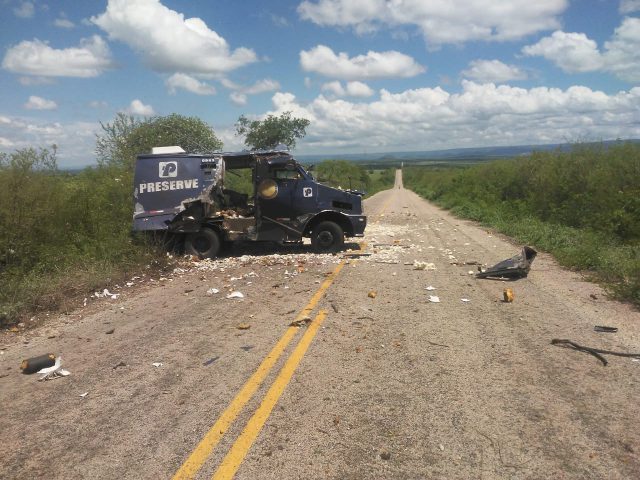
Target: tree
{"type": "Point", "coordinates": [274, 130]}
{"type": "Point", "coordinates": [127, 137]}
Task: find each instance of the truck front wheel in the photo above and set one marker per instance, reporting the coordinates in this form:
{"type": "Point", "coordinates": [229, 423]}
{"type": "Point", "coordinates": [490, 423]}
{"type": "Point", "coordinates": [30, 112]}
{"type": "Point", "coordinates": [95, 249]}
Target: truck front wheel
{"type": "Point", "coordinates": [327, 237]}
{"type": "Point", "coordinates": [203, 244]}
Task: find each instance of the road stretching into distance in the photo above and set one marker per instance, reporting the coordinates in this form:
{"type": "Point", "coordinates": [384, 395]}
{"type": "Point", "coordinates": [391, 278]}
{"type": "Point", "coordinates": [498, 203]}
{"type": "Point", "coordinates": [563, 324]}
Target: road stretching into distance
{"type": "Point", "coordinates": [334, 366]}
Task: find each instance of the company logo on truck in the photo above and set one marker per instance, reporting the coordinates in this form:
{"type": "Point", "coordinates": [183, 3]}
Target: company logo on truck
{"type": "Point", "coordinates": [168, 169]}
{"type": "Point", "coordinates": [167, 185]}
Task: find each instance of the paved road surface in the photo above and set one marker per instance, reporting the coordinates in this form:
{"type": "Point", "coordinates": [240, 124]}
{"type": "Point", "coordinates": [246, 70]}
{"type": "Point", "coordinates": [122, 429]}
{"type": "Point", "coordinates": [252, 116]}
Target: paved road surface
{"type": "Point", "coordinates": [390, 387]}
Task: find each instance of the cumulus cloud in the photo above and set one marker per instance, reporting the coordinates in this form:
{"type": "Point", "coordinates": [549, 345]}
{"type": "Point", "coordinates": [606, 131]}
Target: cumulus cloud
{"type": "Point", "coordinates": [75, 140]}
{"type": "Point", "coordinates": [188, 83]}
{"type": "Point", "coordinates": [36, 57]}
{"type": "Point", "coordinates": [136, 107]}
{"type": "Point", "coordinates": [39, 103]}
{"type": "Point", "coordinates": [453, 21]}
{"type": "Point", "coordinates": [575, 52]}
{"type": "Point", "coordinates": [391, 64]}
{"type": "Point", "coordinates": [98, 104]}
{"type": "Point", "coordinates": [24, 10]}
{"type": "Point", "coordinates": [629, 6]}
{"type": "Point", "coordinates": [352, 89]}
{"type": "Point", "coordinates": [241, 93]}
{"type": "Point", "coordinates": [167, 41]}
{"type": "Point", "coordinates": [30, 81]}
{"type": "Point", "coordinates": [493, 71]}
{"type": "Point", "coordinates": [63, 22]}
{"type": "Point", "coordinates": [479, 115]}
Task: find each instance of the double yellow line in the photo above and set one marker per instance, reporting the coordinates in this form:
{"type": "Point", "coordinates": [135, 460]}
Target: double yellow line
{"type": "Point", "coordinates": [240, 448]}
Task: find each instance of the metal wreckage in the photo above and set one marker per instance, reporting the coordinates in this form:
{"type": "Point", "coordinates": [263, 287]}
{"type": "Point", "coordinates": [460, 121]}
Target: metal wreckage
{"type": "Point", "coordinates": [184, 196]}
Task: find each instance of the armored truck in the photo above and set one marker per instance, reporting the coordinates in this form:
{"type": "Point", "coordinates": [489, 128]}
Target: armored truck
{"type": "Point", "coordinates": [186, 197]}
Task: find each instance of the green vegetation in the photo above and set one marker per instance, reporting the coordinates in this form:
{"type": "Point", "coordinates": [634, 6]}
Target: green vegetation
{"type": "Point", "coordinates": [349, 175]}
{"type": "Point", "coordinates": [274, 130]}
{"type": "Point", "coordinates": [62, 235]}
{"type": "Point", "coordinates": [582, 206]}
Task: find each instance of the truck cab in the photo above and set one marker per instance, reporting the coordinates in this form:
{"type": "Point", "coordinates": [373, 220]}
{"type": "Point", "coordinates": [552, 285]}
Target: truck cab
{"type": "Point", "coordinates": [189, 197]}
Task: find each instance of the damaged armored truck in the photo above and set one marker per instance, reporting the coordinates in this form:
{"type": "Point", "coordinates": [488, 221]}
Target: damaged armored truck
{"type": "Point", "coordinates": [186, 196]}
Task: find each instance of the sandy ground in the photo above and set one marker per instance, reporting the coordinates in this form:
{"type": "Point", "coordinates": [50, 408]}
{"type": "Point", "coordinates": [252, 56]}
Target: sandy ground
{"type": "Point", "coordinates": [391, 387]}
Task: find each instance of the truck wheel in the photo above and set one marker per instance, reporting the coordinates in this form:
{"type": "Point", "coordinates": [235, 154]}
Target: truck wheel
{"type": "Point", "coordinates": [327, 237]}
{"type": "Point", "coordinates": [203, 244]}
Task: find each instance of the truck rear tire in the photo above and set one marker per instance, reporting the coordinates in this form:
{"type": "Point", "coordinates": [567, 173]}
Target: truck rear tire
{"type": "Point", "coordinates": [203, 244]}
{"type": "Point", "coordinates": [327, 237]}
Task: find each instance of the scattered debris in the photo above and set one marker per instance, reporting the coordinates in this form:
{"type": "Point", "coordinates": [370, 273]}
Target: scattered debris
{"type": "Point", "coordinates": [437, 344]}
{"type": "Point", "coordinates": [300, 322]}
{"type": "Point", "coordinates": [465, 300]}
{"type": "Point", "coordinates": [592, 351]}
{"type": "Point", "coordinates": [507, 295]}
{"type": "Point", "coordinates": [32, 365]}
{"type": "Point", "coordinates": [604, 329]}
{"type": "Point", "coordinates": [119, 364]}
{"type": "Point", "coordinates": [243, 326]}
{"type": "Point", "coordinates": [210, 361]}
{"type": "Point", "coordinates": [109, 332]}
{"type": "Point", "coordinates": [235, 295]}
{"type": "Point", "coordinates": [54, 371]}
{"type": "Point", "coordinates": [385, 455]}
{"type": "Point", "coordinates": [418, 265]}
{"type": "Point", "coordinates": [372, 294]}
{"type": "Point", "coordinates": [515, 267]}
{"type": "Point", "coordinates": [434, 299]}
{"type": "Point", "coordinates": [430, 288]}
{"type": "Point", "coordinates": [157, 364]}
{"type": "Point", "coordinates": [246, 348]}
{"type": "Point", "coordinates": [82, 395]}
{"type": "Point", "coordinates": [106, 293]}
{"type": "Point", "coordinates": [212, 291]}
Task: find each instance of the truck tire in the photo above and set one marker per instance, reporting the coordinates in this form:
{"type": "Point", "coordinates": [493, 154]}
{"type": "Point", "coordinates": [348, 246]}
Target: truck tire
{"type": "Point", "coordinates": [203, 244]}
{"type": "Point", "coordinates": [327, 237]}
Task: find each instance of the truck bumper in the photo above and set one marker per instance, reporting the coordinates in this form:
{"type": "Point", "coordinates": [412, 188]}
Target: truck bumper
{"type": "Point", "coordinates": [359, 222]}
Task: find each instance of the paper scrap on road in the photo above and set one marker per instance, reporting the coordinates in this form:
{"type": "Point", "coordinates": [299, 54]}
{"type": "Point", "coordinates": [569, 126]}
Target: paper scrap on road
{"type": "Point", "coordinates": [54, 371]}
{"type": "Point", "coordinates": [465, 300]}
{"type": "Point", "coordinates": [418, 265]}
{"type": "Point", "coordinates": [434, 299]}
{"type": "Point", "coordinates": [235, 295]}
{"type": "Point", "coordinates": [82, 395]}
{"type": "Point", "coordinates": [430, 288]}
{"type": "Point", "coordinates": [157, 364]}
{"type": "Point", "coordinates": [212, 291]}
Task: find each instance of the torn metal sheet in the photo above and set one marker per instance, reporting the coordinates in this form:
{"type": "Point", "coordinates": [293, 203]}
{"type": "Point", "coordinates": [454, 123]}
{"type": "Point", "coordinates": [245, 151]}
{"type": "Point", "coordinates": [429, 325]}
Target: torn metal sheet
{"type": "Point", "coordinates": [514, 267]}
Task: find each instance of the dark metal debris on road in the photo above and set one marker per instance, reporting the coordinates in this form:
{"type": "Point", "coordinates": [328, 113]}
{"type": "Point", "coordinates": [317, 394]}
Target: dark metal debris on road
{"type": "Point", "coordinates": [605, 329]}
{"type": "Point", "coordinates": [515, 267]}
{"type": "Point", "coordinates": [592, 351]}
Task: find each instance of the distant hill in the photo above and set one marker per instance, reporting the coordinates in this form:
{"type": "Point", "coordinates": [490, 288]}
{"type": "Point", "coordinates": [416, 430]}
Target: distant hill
{"type": "Point", "coordinates": [450, 155]}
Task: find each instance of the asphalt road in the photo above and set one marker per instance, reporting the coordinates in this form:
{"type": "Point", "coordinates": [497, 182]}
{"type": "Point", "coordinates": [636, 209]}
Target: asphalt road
{"type": "Point", "coordinates": [377, 382]}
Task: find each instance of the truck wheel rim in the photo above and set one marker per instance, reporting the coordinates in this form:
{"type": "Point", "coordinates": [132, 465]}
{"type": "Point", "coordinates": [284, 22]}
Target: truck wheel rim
{"type": "Point", "coordinates": [325, 238]}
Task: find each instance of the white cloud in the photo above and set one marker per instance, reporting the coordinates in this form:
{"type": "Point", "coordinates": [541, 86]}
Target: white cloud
{"type": "Point", "coordinates": [167, 41]}
{"type": "Point", "coordinates": [279, 21]}
{"type": "Point", "coordinates": [440, 22]}
{"type": "Point", "coordinates": [488, 71]}
{"type": "Point", "coordinates": [63, 23]}
{"type": "Point", "coordinates": [480, 115]}
{"type": "Point", "coordinates": [240, 94]}
{"type": "Point", "coordinates": [36, 57]}
{"type": "Point", "coordinates": [238, 98]}
{"type": "Point", "coordinates": [39, 103]}
{"type": "Point", "coordinates": [76, 140]}
{"type": "Point", "coordinates": [572, 52]}
{"type": "Point", "coordinates": [24, 10]}
{"type": "Point", "coordinates": [628, 6]}
{"type": "Point", "coordinates": [136, 107]}
{"type": "Point", "coordinates": [30, 81]}
{"type": "Point", "coordinates": [308, 82]}
{"type": "Point", "coordinates": [391, 64]}
{"type": "Point", "coordinates": [352, 89]}
{"type": "Point", "coordinates": [188, 83]}
{"type": "Point", "coordinates": [575, 52]}
{"type": "Point", "coordinates": [98, 104]}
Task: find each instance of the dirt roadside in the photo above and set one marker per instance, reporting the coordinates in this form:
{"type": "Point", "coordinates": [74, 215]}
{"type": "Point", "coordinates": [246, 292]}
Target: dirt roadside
{"type": "Point", "coordinates": [392, 386]}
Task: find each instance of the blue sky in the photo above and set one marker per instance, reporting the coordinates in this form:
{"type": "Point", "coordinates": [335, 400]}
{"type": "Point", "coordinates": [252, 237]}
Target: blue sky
{"type": "Point", "coordinates": [371, 75]}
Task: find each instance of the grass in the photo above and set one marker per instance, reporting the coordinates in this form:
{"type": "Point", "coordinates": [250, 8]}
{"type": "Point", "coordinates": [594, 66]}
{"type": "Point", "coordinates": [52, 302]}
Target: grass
{"type": "Point", "coordinates": [582, 206]}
